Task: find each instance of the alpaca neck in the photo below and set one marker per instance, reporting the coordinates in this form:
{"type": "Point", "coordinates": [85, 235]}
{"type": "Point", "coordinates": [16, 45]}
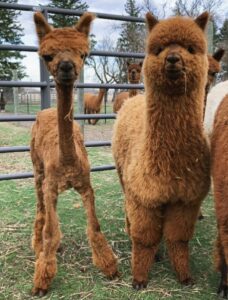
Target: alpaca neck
{"type": "Point", "coordinates": [172, 120]}
{"type": "Point", "coordinates": [100, 97]}
{"type": "Point", "coordinates": [65, 122]}
{"type": "Point", "coordinates": [133, 92]}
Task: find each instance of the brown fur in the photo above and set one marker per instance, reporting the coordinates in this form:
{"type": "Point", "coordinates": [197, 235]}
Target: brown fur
{"type": "Point", "coordinates": [219, 156]}
{"type": "Point", "coordinates": [58, 154]}
{"type": "Point", "coordinates": [214, 68]}
{"type": "Point", "coordinates": [134, 77]}
{"type": "Point", "coordinates": [92, 104]}
{"type": "Point", "coordinates": [160, 151]}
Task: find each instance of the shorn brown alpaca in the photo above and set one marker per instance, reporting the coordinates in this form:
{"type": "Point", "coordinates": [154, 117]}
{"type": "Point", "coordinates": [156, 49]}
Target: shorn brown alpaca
{"type": "Point", "coordinates": [93, 103]}
{"type": "Point", "coordinates": [219, 155]}
{"type": "Point", "coordinates": [134, 77]}
{"type": "Point", "coordinates": [58, 153]}
{"type": "Point", "coordinates": [161, 154]}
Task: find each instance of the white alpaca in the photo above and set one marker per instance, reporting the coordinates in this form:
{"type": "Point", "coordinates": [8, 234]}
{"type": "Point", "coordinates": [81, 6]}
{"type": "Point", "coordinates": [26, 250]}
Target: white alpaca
{"type": "Point", "coordinates": [214, 98]}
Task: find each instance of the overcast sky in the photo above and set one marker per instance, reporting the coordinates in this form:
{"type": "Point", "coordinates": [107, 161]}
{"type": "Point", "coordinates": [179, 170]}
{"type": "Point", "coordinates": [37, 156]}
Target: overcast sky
{"type": "Point", "coordinates": [101, 28]}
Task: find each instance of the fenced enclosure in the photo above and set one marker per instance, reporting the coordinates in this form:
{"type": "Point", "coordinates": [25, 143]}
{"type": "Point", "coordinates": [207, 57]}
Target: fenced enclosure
{"type": "Point", "coordinates": [78, 279]}
{"type": "Point", "coordinates": [45, 84]}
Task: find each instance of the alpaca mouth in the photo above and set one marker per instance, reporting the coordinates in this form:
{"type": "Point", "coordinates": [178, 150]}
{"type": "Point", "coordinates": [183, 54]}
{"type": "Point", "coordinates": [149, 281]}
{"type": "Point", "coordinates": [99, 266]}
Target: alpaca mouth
{"type": "Point", "coordinates": [67, 78]}
{"type": "Point", "coordinates": [173, 73]}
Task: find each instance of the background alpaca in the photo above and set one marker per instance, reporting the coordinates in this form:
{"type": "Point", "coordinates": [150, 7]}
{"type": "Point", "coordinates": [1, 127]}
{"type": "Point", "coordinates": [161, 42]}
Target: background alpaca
{"type": "Point", "coordinates": [160, 151]}
{"type": "Point", "coordinates": [93, 103]}
{"type": "Point", "coordinates": [58, 153]}
{"type": "Point", "coordinates": [219, 154]}
{"type": "Point", "coordinates": [134, 77]}
{"type": "Point", "coordinates": [213, 69]}
{"type": "Point", "coordinates": [214, 98]}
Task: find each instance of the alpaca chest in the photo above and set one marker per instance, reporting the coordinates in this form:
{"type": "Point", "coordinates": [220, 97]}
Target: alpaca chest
{"type": "Point", "coordinates": [156, 182]}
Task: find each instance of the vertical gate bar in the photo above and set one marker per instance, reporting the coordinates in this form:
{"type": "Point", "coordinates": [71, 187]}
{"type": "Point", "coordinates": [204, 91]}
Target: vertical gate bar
{"type": "Point", "coordinates": [44, 76]}
{"type": "Point", "coordinates": [80, 103]}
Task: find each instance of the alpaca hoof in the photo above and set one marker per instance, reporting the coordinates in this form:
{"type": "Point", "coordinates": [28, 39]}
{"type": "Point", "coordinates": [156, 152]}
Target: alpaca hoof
{"type": "Point", "coordinates": [222, 290]}
{"type": "Point", "coordinates": [39, 292]}
{"type": "Point", "coordinates": [200, 217]}
{"type": "Point", "coordinates": [139, 285]}
{"type": "Point", "coordinates": [114, 276]}
{"type": "Point", "coordinates": [157, 257]}
{"type": "Point", "coordinates": [188, 281]}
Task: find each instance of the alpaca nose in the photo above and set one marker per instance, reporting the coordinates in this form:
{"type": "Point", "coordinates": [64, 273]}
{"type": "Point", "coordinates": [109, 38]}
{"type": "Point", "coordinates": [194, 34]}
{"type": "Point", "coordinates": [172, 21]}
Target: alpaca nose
{"type": "Point", "coordinates": [173, 58]}
{"type": "Point", "coordinates": [66, 66]}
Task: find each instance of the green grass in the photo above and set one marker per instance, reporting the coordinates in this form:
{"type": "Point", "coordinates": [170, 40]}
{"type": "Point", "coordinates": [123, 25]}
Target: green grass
{"type": "Point", "coordinates": [77, 278]}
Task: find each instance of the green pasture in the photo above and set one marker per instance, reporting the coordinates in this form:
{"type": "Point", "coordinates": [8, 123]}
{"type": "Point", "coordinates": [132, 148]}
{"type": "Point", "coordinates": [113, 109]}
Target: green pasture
{"type": "Point", "coordinates": [77, 278]}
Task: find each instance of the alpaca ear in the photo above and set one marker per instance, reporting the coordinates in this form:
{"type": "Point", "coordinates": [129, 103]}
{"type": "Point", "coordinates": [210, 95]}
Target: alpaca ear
{"type": "Point", "coordinates": [218, 54]}
{"type": "Point", "coordinates": [84, 23]}
{"type": "Point", "coordinates": [151, 21]}
{"type": "Point", "coordinates": [202, 20]}
{"type": "Point", "coordinates": [42, 26]}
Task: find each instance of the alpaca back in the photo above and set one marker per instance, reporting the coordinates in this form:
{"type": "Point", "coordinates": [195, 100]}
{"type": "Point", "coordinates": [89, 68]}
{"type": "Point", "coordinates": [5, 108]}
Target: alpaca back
{"type": "Point", "coordinates": [219, 155]}
{"type": "Point", "coordinates": [214, 98]}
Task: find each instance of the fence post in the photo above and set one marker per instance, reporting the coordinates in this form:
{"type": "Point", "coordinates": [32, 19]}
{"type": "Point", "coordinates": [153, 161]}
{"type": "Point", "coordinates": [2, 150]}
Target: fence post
{"type": "Point", "coordinates": [210, 37]}
{"type": "Point", "coordinates": [44, 76]}
{"type": "Point", "coordinates": [15, 93]}
{"type": "Point", "coordinates": [80, 96]}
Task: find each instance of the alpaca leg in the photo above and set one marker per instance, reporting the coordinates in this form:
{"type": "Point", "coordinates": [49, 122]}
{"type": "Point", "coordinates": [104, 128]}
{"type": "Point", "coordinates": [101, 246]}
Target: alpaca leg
{"type": "Point", "coordinates": [221, 266]}
{"type": "Point", "coordinates": [46, 266]}
{"type": "Point", "coordinates": [37, 241]}
{"type": "Point", "coordinates": [179, 221]}
{"type": "Point", "coordinates": [103, 256]}
{"type": "Point", "coordinates": [146, 232]}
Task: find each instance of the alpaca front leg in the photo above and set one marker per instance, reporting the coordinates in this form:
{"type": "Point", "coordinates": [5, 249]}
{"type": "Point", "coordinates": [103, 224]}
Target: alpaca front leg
{"type": "Point", "coordinates": [37, 240]}
{"type": "Point", "coordinates": [46, 266]}
{"type": "Point", "coordinates": [222, 268]}
{"type": "Point", "coordinates": [103, 256]}
{"type": "Point", "coordinates": [179, 222]}
{"type": "Point", "coordinates": [146, 232]}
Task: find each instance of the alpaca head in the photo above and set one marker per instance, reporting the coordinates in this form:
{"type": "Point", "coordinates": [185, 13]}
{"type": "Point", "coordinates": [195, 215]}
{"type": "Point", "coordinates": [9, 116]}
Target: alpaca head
{"type": "Point", "coordinates": [176, 60]}
{"type": "Point", "coordinates": [134, 72]}
{"type": "Point", "coordinates": [64, 49]}
{"type": "Point", "coordinates": [214, 66]}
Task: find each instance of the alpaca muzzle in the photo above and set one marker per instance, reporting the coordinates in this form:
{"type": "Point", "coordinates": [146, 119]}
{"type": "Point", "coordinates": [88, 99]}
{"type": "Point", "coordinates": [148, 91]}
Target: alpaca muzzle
{"type": "Point", "coordinates": [173, 66]}
{"type": "Point", "coordinates": [66, 72]}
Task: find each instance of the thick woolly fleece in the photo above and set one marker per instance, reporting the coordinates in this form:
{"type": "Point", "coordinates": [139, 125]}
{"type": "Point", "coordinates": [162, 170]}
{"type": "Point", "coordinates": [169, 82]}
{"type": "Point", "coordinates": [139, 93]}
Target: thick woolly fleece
{"type": "Point", "coordinates": [161, 154]}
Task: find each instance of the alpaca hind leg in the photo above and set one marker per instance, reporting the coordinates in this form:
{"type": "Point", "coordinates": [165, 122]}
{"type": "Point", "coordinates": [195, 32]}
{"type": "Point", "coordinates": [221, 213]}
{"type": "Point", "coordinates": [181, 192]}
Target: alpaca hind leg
{"type": "Point", "coordinates": [37, 240]}
{"type": "Point", "coordinates": [179, 221]}
{"type": "Point", "coordinates": [221, 266]}
{"type": "Point", "coordinates": [146, 232]}
{"type": "Point", "coordinates": [46, 266]}
{"type": "Point", "coordinates": [102, 254]}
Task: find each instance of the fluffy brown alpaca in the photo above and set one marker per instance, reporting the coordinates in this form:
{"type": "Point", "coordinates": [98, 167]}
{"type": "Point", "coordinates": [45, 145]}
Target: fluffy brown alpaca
{"type": "Point", "coordinates": [92, 104]}
{"type": "Point", "coordinates": [161, 154]}
{"type": "Point", "coordinates": [219, 156]}
{"type": "Point", "coordinates": [134, 77]}
{"type": "Point", "coordinates": [58, 153]}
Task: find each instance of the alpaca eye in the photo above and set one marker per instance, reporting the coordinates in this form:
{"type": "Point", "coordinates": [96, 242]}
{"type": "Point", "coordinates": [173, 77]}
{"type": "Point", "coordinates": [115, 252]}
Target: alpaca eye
{"type": "Point", "coordinates": [83, 56]}
{"type": "Point", "coordinates": [47, 58]}
{"type": "Point", "coordinates": [158, 50]}
{"type": "Point", "coordinates": [191, 50]}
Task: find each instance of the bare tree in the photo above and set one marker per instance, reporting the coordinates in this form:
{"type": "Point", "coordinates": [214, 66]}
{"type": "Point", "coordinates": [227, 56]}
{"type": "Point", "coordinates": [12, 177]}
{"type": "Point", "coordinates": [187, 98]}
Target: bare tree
{"type": "Point", "coordinates": [194, 7]}
{"type": "Point", "coordinates": [160, 13]}
{"type": "Point", "coordinates": [105, 68]}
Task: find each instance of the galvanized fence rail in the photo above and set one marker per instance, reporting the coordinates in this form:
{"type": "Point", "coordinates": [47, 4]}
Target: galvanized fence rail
{"type": "Point", "coordinates": [45, 85]}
